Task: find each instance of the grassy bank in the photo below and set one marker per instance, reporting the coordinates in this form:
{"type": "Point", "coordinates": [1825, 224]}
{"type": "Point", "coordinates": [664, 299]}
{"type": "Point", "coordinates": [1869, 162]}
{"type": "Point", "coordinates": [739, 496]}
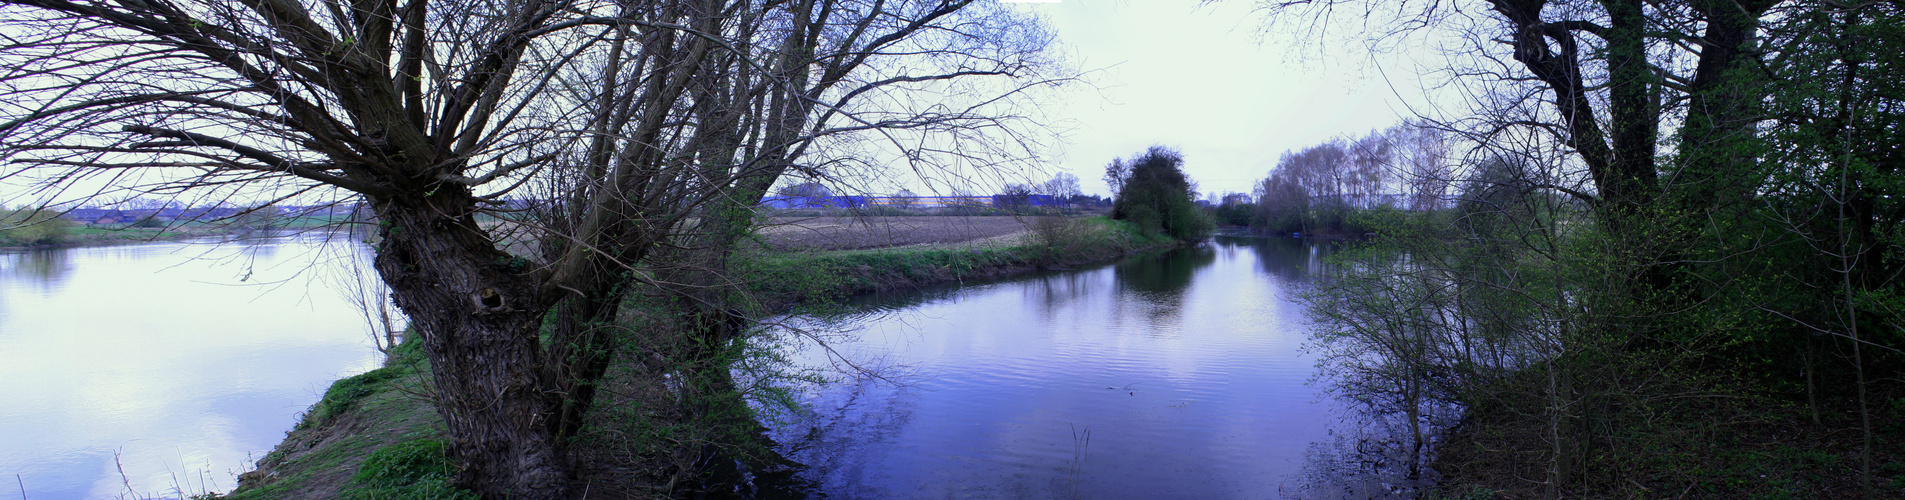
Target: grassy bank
{"type": "Point", "coordinates": [783, 278]}
{"type": "Point", "coordinates": [98, 236]}
{"type": "Point", "coordinates": [64, 234]}
{"type": "Point", "coordinates": [372, 436]}
{"type": "Point", "coordinates": [375, 435]}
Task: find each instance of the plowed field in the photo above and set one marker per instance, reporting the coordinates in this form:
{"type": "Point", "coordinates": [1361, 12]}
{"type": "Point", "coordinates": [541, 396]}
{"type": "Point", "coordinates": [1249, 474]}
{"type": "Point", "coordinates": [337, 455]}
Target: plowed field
{"type": "Point", "coordinates": [849, 233]}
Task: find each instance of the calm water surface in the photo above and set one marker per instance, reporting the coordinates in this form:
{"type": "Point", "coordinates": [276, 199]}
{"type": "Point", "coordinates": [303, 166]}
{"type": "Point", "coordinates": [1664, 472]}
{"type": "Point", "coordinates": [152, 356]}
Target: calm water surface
{"type": "Point", "coordinates": [178, 363]}
{"type": "Point", "coordinates": [1178, 375]}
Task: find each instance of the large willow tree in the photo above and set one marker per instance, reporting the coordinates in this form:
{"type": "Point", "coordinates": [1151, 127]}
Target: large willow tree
{"type": "Point", "coordinates": [596, 131]}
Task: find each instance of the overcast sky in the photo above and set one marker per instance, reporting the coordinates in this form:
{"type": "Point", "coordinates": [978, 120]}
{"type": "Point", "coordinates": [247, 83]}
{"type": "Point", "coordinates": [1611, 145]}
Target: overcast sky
{"type": "Point", "coordinates": [1205, 79]}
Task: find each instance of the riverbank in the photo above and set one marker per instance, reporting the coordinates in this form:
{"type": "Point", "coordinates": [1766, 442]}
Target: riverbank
{"type": "Point", "coordinates": [89, 237]}
{"type": "Point", "coordinates": [1707, 441]}
{"type": "Point", "coordinates": [375, 435]}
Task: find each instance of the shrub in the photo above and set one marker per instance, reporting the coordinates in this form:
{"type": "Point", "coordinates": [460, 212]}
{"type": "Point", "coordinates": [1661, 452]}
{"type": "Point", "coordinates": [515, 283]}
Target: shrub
{"type": "Point", "coordinates": [1234, 214]}
{"type": "Point", "coordinates": [1055, 237]}
{"type": "Point", "coordinates": [32, 227]}
{"type": "Point", "coordinates": [411, 470]}
{"type": "Point", "coordinates": [345, 393]}
{"type": "Point", "coordinates": [1155, 194]}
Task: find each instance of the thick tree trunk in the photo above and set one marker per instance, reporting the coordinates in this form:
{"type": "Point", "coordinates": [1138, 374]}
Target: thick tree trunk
{"type": "Point", "coordinates": [1718, 141]}
{"type": "Point", "coordinates": [478, 320]}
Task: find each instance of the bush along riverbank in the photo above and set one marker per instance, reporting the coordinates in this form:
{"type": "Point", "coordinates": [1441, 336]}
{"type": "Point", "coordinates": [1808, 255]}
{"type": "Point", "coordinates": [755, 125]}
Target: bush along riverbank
{"type": "Point", "coordinates": [1053, 243]}
{"type": "Point", "coordinates": [29, 229]}
{"type": "Point", "coordinates": [23, 229]}
{"type": "Point", "coordinates": [1521, 314]}
{"type": "Point", "coordinates": [376, 436]}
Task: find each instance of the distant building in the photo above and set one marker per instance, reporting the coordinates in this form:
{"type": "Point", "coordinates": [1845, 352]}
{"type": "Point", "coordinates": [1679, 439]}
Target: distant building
{"type": "Point", "coordinates": [795, 202]}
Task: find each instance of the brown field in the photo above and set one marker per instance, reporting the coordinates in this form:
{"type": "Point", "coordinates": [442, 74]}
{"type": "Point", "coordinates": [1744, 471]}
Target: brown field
{"type": "Point", "coordinates": [850, 233]}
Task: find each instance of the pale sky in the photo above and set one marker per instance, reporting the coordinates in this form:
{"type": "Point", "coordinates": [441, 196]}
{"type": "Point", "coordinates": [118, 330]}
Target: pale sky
{"type": "Point", "coordinates": [1206, 80]}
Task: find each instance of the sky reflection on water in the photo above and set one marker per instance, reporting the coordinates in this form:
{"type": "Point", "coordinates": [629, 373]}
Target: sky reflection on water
{"type": "Point", "coordinates": [187, 360]}
{"type": "Point", "coordinates": [1177, 375]}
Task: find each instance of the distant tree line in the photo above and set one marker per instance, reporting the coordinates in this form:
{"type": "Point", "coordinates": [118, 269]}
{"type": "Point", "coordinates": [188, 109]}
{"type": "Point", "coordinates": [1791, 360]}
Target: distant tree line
{"type": "Point", "coordinates": [1060, 194]}
{"type": "Point", "coordinates": [1316, 189]}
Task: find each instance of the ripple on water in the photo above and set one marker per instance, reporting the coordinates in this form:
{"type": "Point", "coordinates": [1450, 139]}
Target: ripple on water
{"type": "Point", "coordinates": [1177, 375]}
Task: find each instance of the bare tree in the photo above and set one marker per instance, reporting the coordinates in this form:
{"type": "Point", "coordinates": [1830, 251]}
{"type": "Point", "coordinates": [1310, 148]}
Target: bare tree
{"type": "Point", "coordinates": [1063, 186]}
{"type": "Point", "coordinates": [595, 130]}
{"type": "Point", "coordinates": [1370, 160]}
{"type": "Point", "coordinates": [1424, 166]}
{"type": "Point", "coordinates": [1115, 174]}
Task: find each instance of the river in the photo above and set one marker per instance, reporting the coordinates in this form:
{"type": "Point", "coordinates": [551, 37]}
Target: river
{"type": "Point", "coordinates": [166, 368]}
{"type": "Point", "coordinates": [1175, 375]}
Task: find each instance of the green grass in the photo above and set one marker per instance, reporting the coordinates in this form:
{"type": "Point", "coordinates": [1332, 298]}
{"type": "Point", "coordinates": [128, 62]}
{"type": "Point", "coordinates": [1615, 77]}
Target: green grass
{"type": "Point", "coordinates": [783, 278]}
{"type": "Point", "coordinates": [366, 439]}
{"type": "Point", "coordinates": [344, 394]}
{"type": "Point", "coordinates": [410, 470]}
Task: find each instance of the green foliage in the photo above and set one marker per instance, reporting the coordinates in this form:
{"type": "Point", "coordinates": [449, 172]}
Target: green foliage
{"type": "Point", "coordinates": [33, 227]}
{"type": "Point", "coordinates": [1056, 238]}
{"type": "Point", "coordinates": [1156, 195]}
{"type": "Point", "coordinates": [411, 470]}
{"type": "Point", "coordinates": [1234, 214]}
{"type": "Point", "coordinates": [149, 223]}
{"type": "Point", "coordinates": [345, 393]}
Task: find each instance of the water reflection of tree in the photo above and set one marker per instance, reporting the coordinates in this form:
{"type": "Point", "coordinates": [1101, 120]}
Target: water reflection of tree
{"type": "Point", "coordinates": [1370, 454]}
{"type": "Point", "coordinates": [885, 301]}
{"type": "Point", "coordinates": [45, 266]}
{"type": "Point", "coordinates": [1159, 281]}
{"type": "Point", "coordinates": [845, 426]}
{"type": "Point", "coordinates": [1050, 293]}
{"type": "Point", "coordinates": [258, 245]}
{"type": "Point", "coordinates": [1289, 260]}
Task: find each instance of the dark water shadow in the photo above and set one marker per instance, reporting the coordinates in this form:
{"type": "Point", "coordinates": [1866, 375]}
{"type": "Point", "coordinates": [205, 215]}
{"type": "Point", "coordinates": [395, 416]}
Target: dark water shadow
{"type": "Point", "coordinates": [46, 267]}
{"type": "Point", "coordinates": [1370, 454]}
{"type": "Point", "coordinates": [830, 442]}
{"type": "Point", "coordinates": [1288, 260]}
{"type": "Point", "coordinates": [1157, 282]}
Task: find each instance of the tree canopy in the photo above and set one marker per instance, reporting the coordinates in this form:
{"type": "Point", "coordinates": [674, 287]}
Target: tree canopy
{"type": "Point", "coordinates": [1155, 194]}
